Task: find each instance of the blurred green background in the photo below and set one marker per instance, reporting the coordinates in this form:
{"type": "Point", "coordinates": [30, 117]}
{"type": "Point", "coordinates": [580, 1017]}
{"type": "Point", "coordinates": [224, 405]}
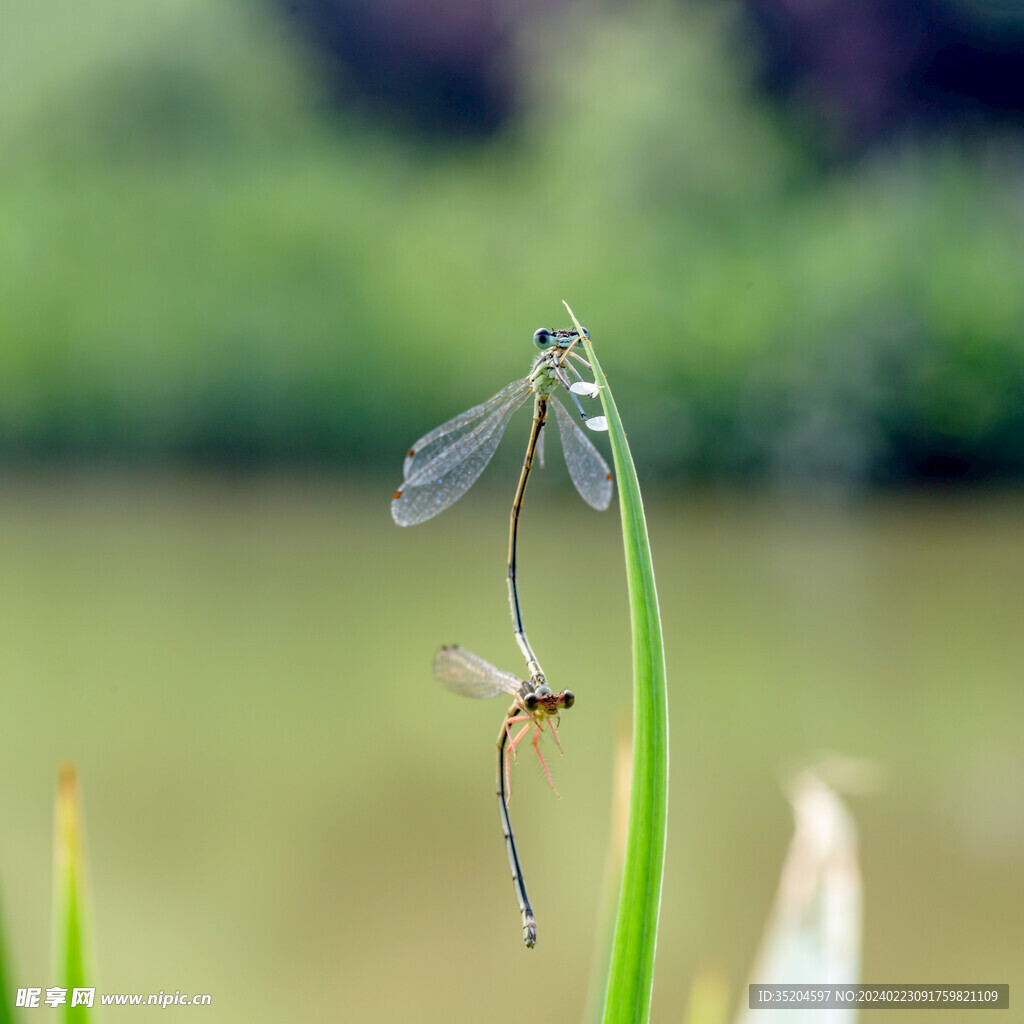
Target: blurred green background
{"type": "Point", "coordinates": [240, 271]}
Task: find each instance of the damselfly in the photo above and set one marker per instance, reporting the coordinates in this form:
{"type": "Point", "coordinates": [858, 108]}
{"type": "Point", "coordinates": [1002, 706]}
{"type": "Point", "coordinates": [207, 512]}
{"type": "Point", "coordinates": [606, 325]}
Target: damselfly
{"type": "Point", "coordinates": [535, 706]}
{"type": "Point", "coordinates": [442, 465]}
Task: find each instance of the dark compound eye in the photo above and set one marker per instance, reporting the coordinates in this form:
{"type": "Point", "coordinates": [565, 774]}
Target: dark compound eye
{"type": "Point", "coordinates": [570, 698]}
{"type": "Point", "coordinates": [543, 337]}
{"type": "Point", "coordinates": [586, 334]}
{"type": "Point", "coordinates": [531, 700]}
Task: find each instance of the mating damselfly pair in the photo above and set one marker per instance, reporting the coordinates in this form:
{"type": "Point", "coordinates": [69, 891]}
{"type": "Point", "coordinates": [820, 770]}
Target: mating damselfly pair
{"type": "Point", "coordinates": [439, 468]}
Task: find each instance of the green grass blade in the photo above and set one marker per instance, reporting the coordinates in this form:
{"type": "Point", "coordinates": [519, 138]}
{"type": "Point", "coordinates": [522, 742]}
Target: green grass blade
{"type": "Point", "coordinates": [611, 878]}
{"type": "Point", "coordinates": [70, 903]}
{"type": "Point", "coordinates": [631, 970]}
{"type": "Point", "coordinates": [6, 995]}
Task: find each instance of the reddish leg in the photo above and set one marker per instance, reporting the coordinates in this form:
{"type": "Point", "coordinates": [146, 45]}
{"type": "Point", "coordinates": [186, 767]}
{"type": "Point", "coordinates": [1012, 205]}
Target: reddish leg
{"type": "Point", "coordinates": [551, 722]}
{"type": "Point", "coordinates": [543, 763]}
{"type": "Point", "coordinates": [510, 751]}
{"type": "Point", "coordinates": [508, 732]}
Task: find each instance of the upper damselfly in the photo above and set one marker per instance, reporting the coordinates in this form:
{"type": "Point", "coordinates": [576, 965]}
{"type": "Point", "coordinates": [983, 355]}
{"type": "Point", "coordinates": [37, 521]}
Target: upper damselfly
{"type": "Point", "coordinates": [443, 464]}
{"type": "Point", "coordinates": [535, 706]}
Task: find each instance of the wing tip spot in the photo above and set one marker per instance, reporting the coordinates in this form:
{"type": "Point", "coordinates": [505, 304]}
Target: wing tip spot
{"type": "Point", "coordinates": [607, 476]}
{"type": "Point", "coordinates": [396, 495]}
{"type": "Point", "coordinates": [410, 453]}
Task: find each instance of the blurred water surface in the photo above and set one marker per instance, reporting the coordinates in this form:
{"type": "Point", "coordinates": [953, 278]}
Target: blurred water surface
{"type": "Point", "coordinates": [284, 810]}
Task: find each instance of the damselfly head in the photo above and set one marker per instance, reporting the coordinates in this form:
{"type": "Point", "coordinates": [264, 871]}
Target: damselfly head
{"type": "Point", "coordinates": [545, 337]}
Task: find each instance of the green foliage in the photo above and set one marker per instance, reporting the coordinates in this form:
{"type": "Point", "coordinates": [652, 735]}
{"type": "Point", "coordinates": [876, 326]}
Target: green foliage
{"type": "Point", "coordinates": [196, 260]}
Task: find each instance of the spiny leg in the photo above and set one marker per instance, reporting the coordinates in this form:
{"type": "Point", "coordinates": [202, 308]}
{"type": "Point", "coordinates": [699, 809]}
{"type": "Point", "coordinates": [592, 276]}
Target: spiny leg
{"type": "Point", "coordinates": [511, 750]}
{"type": "Point", "coordinates": [554, 732]}
{"type": "Point", "coordinates": [513, 741]}
{"type": "Point", "coordinates": [543, 763]}
{"type": "Point", "coordinates": [508, 729]}
{"type": "Point", "coordinates": [564, 381]}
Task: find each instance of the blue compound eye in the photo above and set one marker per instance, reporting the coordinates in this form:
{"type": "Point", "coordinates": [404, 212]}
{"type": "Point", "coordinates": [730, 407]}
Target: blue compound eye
{"type": "Point", "coordinates": [544, 337]}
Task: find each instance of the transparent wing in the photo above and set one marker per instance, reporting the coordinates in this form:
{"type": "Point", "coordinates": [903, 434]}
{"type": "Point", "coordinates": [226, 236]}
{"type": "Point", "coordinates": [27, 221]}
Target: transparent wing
{"type": "Point", "coordinates": [466, 673]}
{"type": "Point", "coordinates": [451, 472]}
{"type": "Point", "coordinates": [429, 446]}
{"type": "Point", "coordinates": [589, 471]}
{"type": "Point", "coordinates": [461, 447]}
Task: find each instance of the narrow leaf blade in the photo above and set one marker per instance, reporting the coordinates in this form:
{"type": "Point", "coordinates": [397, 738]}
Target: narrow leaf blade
{"type": "Point", "coordinates": [631, 971]}
{"type": "Point", "coordinates": [71, 898]}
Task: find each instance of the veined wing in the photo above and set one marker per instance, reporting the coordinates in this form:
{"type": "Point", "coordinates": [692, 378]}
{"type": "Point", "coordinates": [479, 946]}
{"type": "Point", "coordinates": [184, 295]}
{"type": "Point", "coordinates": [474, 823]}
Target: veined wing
{"type": "Point", "coordinates": [438, 440]}
{"type": "Point", "coordinates": [453, 470]}
{"type": "Point", "coordinates": [462, 445]}
{"type": "Point", "coordinates": [589, 471]}
{"type": "Point", "coordinates": [466, 673]}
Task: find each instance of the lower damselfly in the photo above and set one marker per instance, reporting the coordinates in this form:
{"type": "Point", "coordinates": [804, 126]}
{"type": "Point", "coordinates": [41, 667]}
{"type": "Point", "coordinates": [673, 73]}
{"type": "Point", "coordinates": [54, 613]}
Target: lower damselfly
{"type": "Point", "coordinates": [443, 464]}
{"type": "Point", "coordinates": [533, 707]}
